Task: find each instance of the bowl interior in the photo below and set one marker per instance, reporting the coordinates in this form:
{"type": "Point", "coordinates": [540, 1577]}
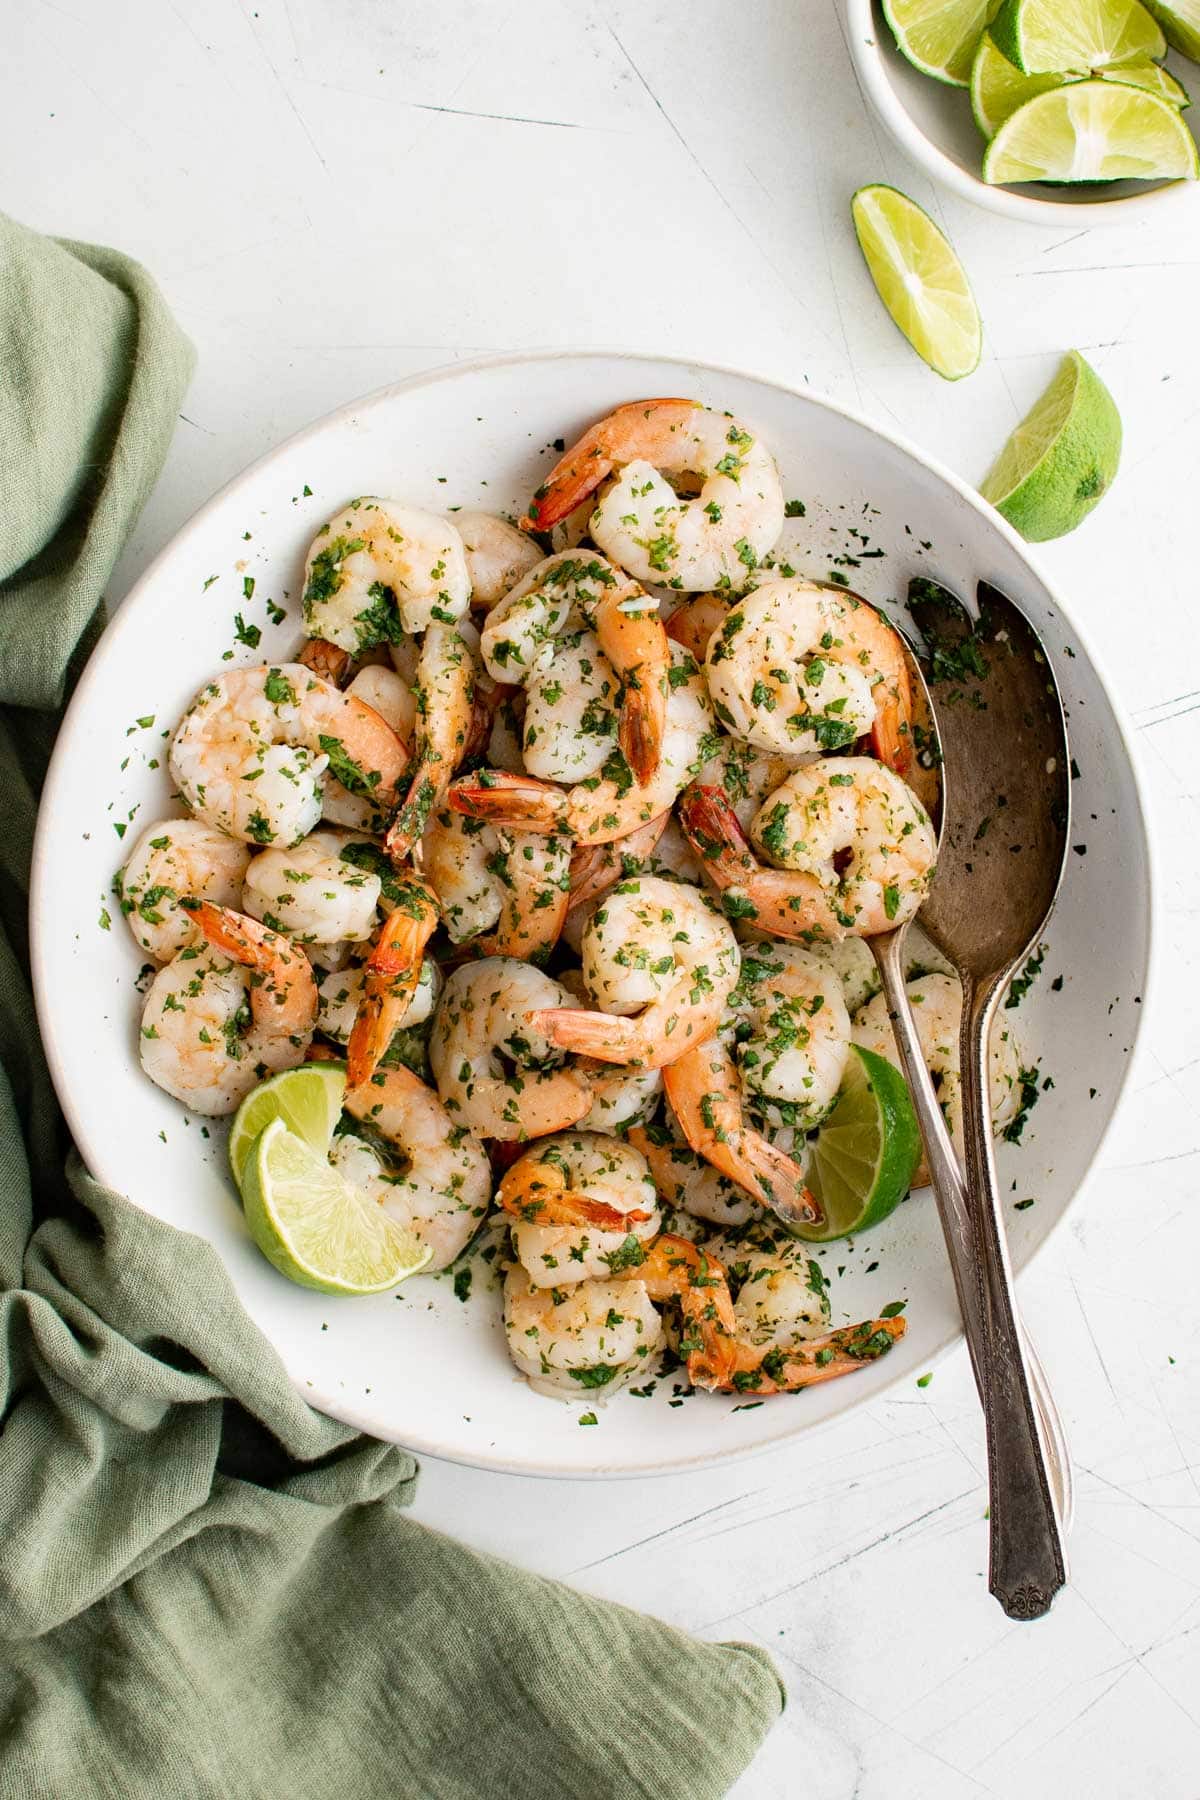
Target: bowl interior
{"type": "Point", "coordinates": [422, 1366]}
{"type": "Point", "coordinates": [942, 115]}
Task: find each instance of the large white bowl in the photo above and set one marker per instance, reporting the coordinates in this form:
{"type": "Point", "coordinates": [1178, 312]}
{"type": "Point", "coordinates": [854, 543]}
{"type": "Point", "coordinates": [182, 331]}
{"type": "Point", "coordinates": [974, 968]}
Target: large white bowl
{"type": "Point", "coordinates": [421, 1367]}
{"type": "Point", "coordinates": [932, 123]}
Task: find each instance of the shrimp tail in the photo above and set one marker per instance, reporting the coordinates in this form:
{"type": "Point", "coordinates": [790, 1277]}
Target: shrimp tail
{"type": "Point", "coordinates": [245, 940]}
{"type": "Point", "coordinates": [641, 729]}
{"type": "Point", "coordinates": [637, 646]}
{"type": "Point", "coordinates": [889, 741]}
{"type": "Point", "coordinates": [285, 1000]}
{"type": "Point", "coordinates": [328, 660]}
{"type": "Point", "coordinates": [520, 801]}
{"type": "Point", "coordinates": [839, 1352]}
{"type": "Point", "coordinates": [537, 1194]}
{"type": "Point", "coordinates": [391, 974]}
{"type": "Point", "coordinates": [625, 434]}
{"type": "Point", "coordinates": [604, 1036]}
{"type": "Point", "coordinates": [424, 792]}
{"type": "Point", "coordinates": [712, 1121]}
{"type": "Point", "coordinates": [712, 830]}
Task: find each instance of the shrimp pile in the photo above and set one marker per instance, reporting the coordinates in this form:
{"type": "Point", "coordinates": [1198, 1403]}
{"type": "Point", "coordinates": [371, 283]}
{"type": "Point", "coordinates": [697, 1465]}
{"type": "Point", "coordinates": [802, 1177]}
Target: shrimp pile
{"type": "Point", "coordinates": [565, 834]}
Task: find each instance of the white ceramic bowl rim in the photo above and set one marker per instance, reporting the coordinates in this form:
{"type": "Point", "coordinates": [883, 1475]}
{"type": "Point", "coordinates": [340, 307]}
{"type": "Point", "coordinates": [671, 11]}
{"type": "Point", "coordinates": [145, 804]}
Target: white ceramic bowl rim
{"type": "Point", "coordinates": [868, 59]}
{"type": "Point", "coordinates": [41, 948]}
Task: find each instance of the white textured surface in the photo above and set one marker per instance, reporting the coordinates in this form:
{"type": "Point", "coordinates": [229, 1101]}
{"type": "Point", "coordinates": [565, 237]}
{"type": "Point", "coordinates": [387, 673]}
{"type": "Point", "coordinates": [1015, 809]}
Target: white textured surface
{"type": "Point", "coordinates": [336, 192]}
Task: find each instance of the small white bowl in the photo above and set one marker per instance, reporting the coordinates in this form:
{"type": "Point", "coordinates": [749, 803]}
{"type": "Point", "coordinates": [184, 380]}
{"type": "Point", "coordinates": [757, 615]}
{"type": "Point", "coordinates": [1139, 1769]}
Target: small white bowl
{"type": "Point", "coordinates": [932, 123]}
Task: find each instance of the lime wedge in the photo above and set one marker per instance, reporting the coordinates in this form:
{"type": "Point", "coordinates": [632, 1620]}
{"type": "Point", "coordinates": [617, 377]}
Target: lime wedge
{"type": "Point", "coordinates": [920, 280]}
{"type": "Point", "coordinates": [1180, 21]}
{"type": "Point", "coordinates": [317, 1229]}
{"type": "Point", "coordinates": [863, 1157]}
{"type": "Point", "coordinates": [998, 87]}
{"type": "Point", "coordinates": [939, 36]}
{"type": "Point", "coordinates": [308, 1100]}
{"type": "Point", "coordinates": [1061, 459]}
{"type": "Point", "coordinates": [1092, 131]}
{"type": "Point", "coordinates": [1149, 75]}
{"type": "Point", "coordinates": [1045, 36]}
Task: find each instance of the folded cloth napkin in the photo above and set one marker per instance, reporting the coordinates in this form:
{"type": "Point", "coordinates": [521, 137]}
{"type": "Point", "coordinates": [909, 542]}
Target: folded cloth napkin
{"type": "Point", "coordinates": [206, 1588]}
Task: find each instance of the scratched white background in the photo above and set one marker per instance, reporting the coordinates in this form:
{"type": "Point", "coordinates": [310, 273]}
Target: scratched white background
{"type": "Point", "coordinates": [334, 193]}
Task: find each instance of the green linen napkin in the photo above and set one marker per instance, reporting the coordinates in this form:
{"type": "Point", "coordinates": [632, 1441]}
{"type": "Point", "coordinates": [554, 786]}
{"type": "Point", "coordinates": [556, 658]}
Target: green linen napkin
{"type": "Point", "coordinates": [207, 1589]}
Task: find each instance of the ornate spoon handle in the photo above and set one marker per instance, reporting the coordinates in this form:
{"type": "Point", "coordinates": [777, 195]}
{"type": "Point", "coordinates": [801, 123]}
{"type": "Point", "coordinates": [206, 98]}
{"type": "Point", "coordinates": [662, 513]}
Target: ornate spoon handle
{"type": "Point", "coordinates": [1028, 1557]}
{"type": "Point", "coordinates": [950, 1193]}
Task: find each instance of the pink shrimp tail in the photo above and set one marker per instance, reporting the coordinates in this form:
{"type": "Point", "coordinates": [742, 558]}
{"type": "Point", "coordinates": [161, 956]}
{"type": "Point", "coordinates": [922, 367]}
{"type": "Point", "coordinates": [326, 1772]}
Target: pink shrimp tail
{"type": "Point", "coordinates": [712, 830]}
{"type": "Point", "coordinates": [596, 1034]}
{"type": "Point", "coordinates": [609, 442]}
{"type": "Point", "coordinates": [520, 801]}
{"type": "Point", "coordinates": [391, 974]}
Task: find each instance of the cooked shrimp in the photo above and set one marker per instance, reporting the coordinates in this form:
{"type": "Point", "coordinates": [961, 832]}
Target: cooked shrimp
{"type": "Point", "coordinates": [575, 1200]}
{"type": "Point", "coordinates": [250, 753]}
{"type": "Point", "coordinates": [444, 692]}
{"type": "Point", "coordinates": [311, 892]}
{"type": "Point", "coordinates": [504, 892]}
{"type": "Point", "coordinates": [340, 995]}
{"type": "Point", "coordinates": [379, 569]}
{"type": "Point", "coordinates": [620, 1097]}
{"type": "Point", "coordinates": [581, 1342]}
{"type": "Point", "coordinates": [426, 1171]}
{"type": "Point", "coordinates": [390, 977]}
{"type": "Point", "coordinates": [748, 776]}
{"type": "Point", "coordinates": [222, 1015]}
{"type": "Point", "coordinates": [495, 1070]}
{"type": "Point", "coordinates": [498, 556]}
{"type": "Point", "coordinates": [705, 1093]}
{"type": "Point", "coordinates": [654, 448]}
{"type": "Point", "coordinates": [798, 667]}
{"type": "Point", "coordinates": [694, 621]}
{"type": "Point", "coordinates": [792, 1034]}
{"type": "Point", "coordinates": [720, 1352]}
{"type": "Point", "coordinates": [563, 592]}
{"type": "Point", "coordinates": [597, 867]}
{"type": "Point", "coordinates": [780, 1295]}
{"type": "Point", "coordinates": [390, 694]}
{"type": "Point", "coordinates": [854, 844]}
{"type": "Point", "coordinates": [688, 1182]}
{"type": "Point", "coordinates": [937, 1011]}
{"type": "Point", "coordinates": [603, 807]}
{"type": "Point", "coordinates": [657, 950]}
{"type": "Point", "coordinates": [174, 860]}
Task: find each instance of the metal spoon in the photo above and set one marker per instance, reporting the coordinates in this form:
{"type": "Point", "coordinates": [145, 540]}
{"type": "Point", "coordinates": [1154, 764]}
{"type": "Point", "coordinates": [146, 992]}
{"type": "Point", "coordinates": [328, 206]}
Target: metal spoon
{"type": "Point", "coordinates": [1003, 738]}
{"type": "Point", "coordinates": [945, 1173]}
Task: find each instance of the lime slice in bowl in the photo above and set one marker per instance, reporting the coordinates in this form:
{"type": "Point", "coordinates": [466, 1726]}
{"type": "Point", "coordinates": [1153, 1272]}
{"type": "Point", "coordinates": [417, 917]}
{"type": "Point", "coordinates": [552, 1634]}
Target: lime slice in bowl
{"type": "Point", "coordinates": [920, 280]}
{"type": "Point", "coordinates": [1046, 36]}
{"type": "Point", "coordinates": [308, 1100]}
{"type": "Point", "coordinates": [1062, 457]}
{"type": "Point", "coordinates": [315, 1227]}
{"type": "Point", "coordinates": [1093, 131]}
{"type": "Point", "coordinates": [1180, 21]}
{"type": "Point", "coordinates": [998, 87]}
{"type": "Point", "coordinates": [1149, 75]}
{"type": "Point", "coordinates": [863, 1157]}
{"type": "Point", "coordinates": [939, 36]}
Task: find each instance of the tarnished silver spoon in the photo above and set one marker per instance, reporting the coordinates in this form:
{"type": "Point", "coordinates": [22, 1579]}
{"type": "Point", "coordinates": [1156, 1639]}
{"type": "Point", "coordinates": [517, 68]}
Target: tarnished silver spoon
{"type": "Point", "coordinates": [1003, 744]}
{"type": "Point", "coordinates": [927, 776]}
